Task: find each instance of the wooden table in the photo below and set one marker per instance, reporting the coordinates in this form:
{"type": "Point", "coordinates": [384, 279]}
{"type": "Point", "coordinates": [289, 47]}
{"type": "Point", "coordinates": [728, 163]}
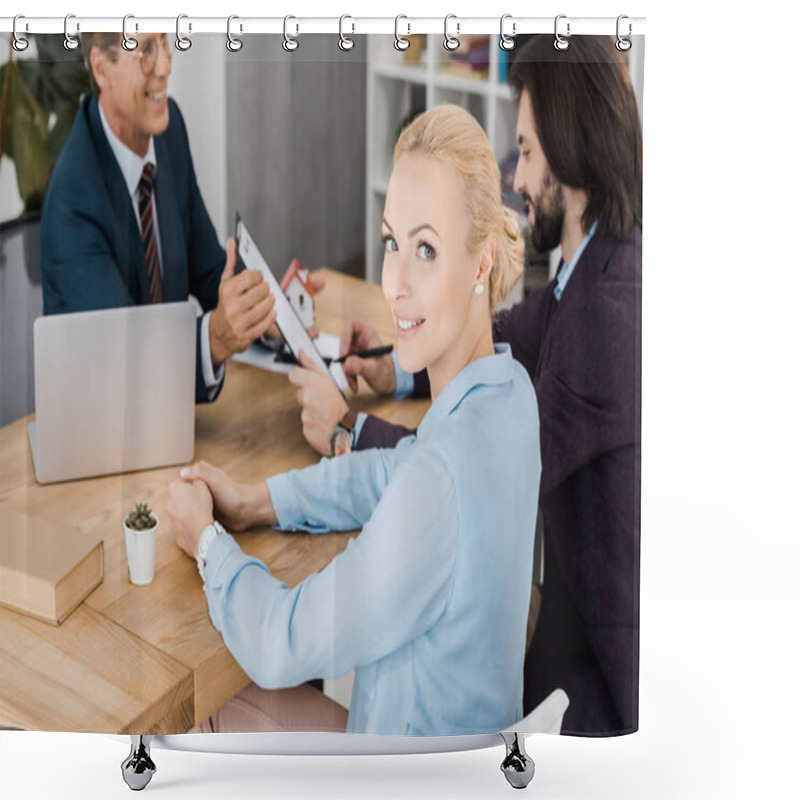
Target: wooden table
{"type": "Point", "coordinates": [147, 659]}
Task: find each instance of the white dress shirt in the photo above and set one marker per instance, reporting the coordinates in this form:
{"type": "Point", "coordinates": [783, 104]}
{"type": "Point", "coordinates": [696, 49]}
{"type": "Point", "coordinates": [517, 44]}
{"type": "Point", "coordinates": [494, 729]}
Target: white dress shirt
{"type": "Point", "coordinates": [131, 165]}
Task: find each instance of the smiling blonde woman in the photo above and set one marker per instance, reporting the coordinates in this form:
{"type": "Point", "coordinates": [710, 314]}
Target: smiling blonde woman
{"type": "Point", "coordinates": [429, 603]}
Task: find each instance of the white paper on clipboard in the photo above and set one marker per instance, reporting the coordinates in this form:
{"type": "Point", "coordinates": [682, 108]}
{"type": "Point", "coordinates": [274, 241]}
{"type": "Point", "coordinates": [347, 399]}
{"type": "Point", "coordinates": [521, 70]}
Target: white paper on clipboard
{"type": "Point", "coordinates": [289, 324]}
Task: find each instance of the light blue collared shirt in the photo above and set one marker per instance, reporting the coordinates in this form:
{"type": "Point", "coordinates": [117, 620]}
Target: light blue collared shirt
{"type": "Point", "coordinates": [429, 604]}
{"type": "Point", "coordinates": [566, 270]}
{"type": "Point", "coordinates": [131, 165]}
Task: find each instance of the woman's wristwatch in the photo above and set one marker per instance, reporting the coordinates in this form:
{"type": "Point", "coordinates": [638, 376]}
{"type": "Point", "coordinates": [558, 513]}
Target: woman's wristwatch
{"type": "Point", "coordinates": [344, 434]}
{"type": "Point", "coordinates": [206, 537]}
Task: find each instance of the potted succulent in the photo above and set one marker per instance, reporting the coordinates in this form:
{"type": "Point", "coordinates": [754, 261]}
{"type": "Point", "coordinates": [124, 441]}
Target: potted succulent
{"type": "Point", "coordinates": [140, 527]}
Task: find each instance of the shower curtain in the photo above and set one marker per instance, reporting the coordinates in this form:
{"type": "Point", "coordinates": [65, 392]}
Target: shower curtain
{"type": "Point", "coordinates": [298, 143]}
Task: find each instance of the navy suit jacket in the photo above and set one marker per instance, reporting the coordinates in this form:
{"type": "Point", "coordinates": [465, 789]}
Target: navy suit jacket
{"type": "Point", "coordinates": [92, 254]}
{"type": "Point", "coordinates": [584, 357]}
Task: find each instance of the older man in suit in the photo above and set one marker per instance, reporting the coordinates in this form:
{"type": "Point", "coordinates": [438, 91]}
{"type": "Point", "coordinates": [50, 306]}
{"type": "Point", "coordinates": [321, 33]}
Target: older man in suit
{"type": "Point", "coordinates": [124, 222]}
{"type": "Point", "coordinates": [579, 337]}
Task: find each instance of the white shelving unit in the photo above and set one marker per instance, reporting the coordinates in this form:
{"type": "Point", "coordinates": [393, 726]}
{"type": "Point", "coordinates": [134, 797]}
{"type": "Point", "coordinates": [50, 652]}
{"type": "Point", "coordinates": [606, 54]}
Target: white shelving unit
{"type": "Point", "coordinates": [396, 87]}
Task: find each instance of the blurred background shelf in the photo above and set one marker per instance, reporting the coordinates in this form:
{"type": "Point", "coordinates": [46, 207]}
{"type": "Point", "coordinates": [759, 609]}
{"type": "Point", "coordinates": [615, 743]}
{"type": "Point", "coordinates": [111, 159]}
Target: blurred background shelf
{"type": "Point", "coordinates": [403, 84]}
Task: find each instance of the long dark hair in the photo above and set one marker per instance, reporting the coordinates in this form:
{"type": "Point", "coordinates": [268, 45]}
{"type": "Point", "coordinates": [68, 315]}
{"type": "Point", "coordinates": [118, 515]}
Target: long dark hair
{"type": "Point", "coordinates": [588, 124]}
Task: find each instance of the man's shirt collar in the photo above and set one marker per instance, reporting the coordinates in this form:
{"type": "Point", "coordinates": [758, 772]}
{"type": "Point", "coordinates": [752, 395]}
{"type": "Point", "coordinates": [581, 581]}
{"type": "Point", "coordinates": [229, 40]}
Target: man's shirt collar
{"type": "Point", "coordinates": [130, 163]}
{"type": "Point", "coordinates": [566, 270]}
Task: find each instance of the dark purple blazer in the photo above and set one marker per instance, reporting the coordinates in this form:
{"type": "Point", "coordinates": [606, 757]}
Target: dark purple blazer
{"type": "Point", "coordinates": [584, 357]}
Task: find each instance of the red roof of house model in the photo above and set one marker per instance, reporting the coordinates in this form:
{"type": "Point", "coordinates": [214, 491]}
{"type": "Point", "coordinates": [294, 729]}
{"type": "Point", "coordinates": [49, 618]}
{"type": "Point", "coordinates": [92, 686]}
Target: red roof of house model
{"type": "Point", "coordinates": [297, 270]}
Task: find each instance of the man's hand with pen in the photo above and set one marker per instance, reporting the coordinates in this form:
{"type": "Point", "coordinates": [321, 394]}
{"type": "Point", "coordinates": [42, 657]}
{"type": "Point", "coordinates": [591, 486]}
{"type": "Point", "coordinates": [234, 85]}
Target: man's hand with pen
{"type": "Point", "coordinates": [285, 356]}
{"type": "Point", "coordinates": [370, 352]}
{"type": "Point", "coordinates": [323, 407]}
{"type": "Point", "coordinates": [377, 372]}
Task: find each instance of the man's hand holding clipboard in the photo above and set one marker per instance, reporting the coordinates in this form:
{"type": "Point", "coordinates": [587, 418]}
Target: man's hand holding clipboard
{"type": "Point", "coordinates": [320, 382]}
{"type": "Point", "coordinates": [290, 327]}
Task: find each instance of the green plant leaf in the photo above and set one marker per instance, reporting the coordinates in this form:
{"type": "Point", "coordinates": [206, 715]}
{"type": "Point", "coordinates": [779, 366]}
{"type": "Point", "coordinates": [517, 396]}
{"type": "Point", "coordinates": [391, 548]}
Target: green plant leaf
{"type": "Point", "coordinates": [38, 116]}
{"type": "Point", "coordinates": [25, 130]}
{"type": "Point", "coordinates": [50, 47]}
{"type": "Point", "coordinates": [55, 83]}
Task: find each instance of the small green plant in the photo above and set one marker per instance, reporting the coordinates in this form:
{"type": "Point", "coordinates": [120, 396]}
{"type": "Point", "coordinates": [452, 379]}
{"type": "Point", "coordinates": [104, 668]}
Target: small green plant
{"type": "Point", "coordinates": [141, 518]}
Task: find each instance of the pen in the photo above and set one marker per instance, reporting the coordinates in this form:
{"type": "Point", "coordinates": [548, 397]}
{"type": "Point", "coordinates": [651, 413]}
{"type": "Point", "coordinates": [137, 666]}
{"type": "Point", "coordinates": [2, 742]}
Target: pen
{"type": "Point", "coordinates": [287, 357]}
{"type": "Point", "coordinates": [373, 352]}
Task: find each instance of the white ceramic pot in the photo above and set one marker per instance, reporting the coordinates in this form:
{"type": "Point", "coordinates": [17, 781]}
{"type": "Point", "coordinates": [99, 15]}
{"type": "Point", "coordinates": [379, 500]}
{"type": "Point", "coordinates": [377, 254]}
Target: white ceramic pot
{"type": "Point", "coordinates": [141, 549]}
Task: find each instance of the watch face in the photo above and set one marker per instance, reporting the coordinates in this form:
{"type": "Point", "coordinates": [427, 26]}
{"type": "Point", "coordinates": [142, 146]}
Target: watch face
{"type": "Point", "coordinates": [341, 442]}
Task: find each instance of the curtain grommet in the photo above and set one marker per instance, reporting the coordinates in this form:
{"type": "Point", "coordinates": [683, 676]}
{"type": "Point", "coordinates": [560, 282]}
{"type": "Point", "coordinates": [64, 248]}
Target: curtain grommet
{"type": "Point", "coordinates": [401, 43]}
{"type": "Point", "coordinates": [507, 42]}
{"type": "Point", "coordinates": [623, 44]}
{"type": "Point", "coordinates": [233, 44]}
{"type": "Point", "coordinates": [290, 43]}
{"type": "Point", "coordinates": [451, 43]}
{"type": "Point", "coordinates": [129, 43]}
{"type": "Point", "coordinates": [71, 43]}
{"type": "Point", "coordinates": [345, 42]}
{"type": "Point", "coordinates": [182, 43]}
{"type": "Point", "coordinates": [560, 42]}
{"type": "Point", "coordinates": [19, 43]}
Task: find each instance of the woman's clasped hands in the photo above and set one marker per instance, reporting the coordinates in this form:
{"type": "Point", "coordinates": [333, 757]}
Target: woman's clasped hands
{"type": "Point", "coordinates": [205, 493]}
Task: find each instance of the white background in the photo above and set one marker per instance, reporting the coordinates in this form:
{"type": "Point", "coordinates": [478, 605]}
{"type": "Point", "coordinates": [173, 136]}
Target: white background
{"type": "Point", "coordinates": [720, 604]}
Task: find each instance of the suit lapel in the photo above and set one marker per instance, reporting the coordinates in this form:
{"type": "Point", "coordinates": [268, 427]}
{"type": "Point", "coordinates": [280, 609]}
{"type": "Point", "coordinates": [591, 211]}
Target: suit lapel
{"type": "Point", "coordinates": [595, 258]}
{"type": "Point", "coordinates": [592, 262]}
{"type": "Point", "coordinates": [128, 239]}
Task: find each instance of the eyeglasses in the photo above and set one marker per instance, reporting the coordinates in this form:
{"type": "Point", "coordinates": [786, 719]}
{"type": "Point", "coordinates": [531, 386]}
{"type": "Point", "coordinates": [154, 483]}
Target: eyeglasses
{"type": "Point", "coordinates": [151, 52]}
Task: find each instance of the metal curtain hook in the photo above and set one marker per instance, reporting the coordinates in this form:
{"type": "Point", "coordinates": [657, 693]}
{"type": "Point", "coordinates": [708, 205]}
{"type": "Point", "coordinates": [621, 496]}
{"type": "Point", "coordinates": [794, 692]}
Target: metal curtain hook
{"type": "Point", "coordinates": [622, 43]}
{"type": "Point", "coordinates": [70, 42]}
{"type": "Point", "coordinates": [290, 44]}
{"type": "Point", "coordinates": [561, 43]}
{"type": "Point", "coordinates": [507, 42]}
{"type": "Point", "coordinates": [183, 43]}
{"type": "Point", "coordinates": [345, 43]}
{"type": "Point", "coordinates": [451, 42]}
{"type": "Point", "coordinates": [128, 42]}
{"type": "Point", "coordinates": [233, 44]}
{"type": "Point", "coordinates": [20, 43]}
{"type": "Point", "coordinates": [400, 42]}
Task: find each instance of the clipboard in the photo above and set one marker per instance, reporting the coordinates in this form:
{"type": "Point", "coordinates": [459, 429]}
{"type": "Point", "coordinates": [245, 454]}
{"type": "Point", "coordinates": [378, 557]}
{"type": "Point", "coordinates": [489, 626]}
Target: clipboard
{"type": "Point", "coordinates": [289, 324]}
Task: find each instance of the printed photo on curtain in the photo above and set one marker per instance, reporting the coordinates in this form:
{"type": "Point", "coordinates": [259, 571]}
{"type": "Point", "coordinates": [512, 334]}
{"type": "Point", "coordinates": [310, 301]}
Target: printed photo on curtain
{"type": "Point", "coordinates": [321, 385]}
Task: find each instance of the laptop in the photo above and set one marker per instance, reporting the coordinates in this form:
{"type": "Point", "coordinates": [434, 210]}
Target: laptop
{"type": "Point", "coordinates": [114, 391]}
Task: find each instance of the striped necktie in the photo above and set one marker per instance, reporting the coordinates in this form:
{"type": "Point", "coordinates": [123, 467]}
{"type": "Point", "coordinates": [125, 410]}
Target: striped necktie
{"type": "Point", "coordinates": [145, 193]}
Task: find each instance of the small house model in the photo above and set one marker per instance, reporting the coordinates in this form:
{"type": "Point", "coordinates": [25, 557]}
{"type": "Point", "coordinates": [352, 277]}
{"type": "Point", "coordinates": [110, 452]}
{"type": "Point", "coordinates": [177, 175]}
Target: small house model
{"type": "Point", "coordinates": [296, 285]}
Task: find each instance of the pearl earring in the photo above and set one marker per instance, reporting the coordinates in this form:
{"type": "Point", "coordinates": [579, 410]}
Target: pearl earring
{"type": "Point", "coordinates": [479, 288]}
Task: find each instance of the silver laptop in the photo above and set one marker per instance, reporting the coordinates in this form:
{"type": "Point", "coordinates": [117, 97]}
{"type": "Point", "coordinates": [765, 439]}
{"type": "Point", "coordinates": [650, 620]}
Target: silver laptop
{"type": "Point", "coordinates": [114, 391]}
